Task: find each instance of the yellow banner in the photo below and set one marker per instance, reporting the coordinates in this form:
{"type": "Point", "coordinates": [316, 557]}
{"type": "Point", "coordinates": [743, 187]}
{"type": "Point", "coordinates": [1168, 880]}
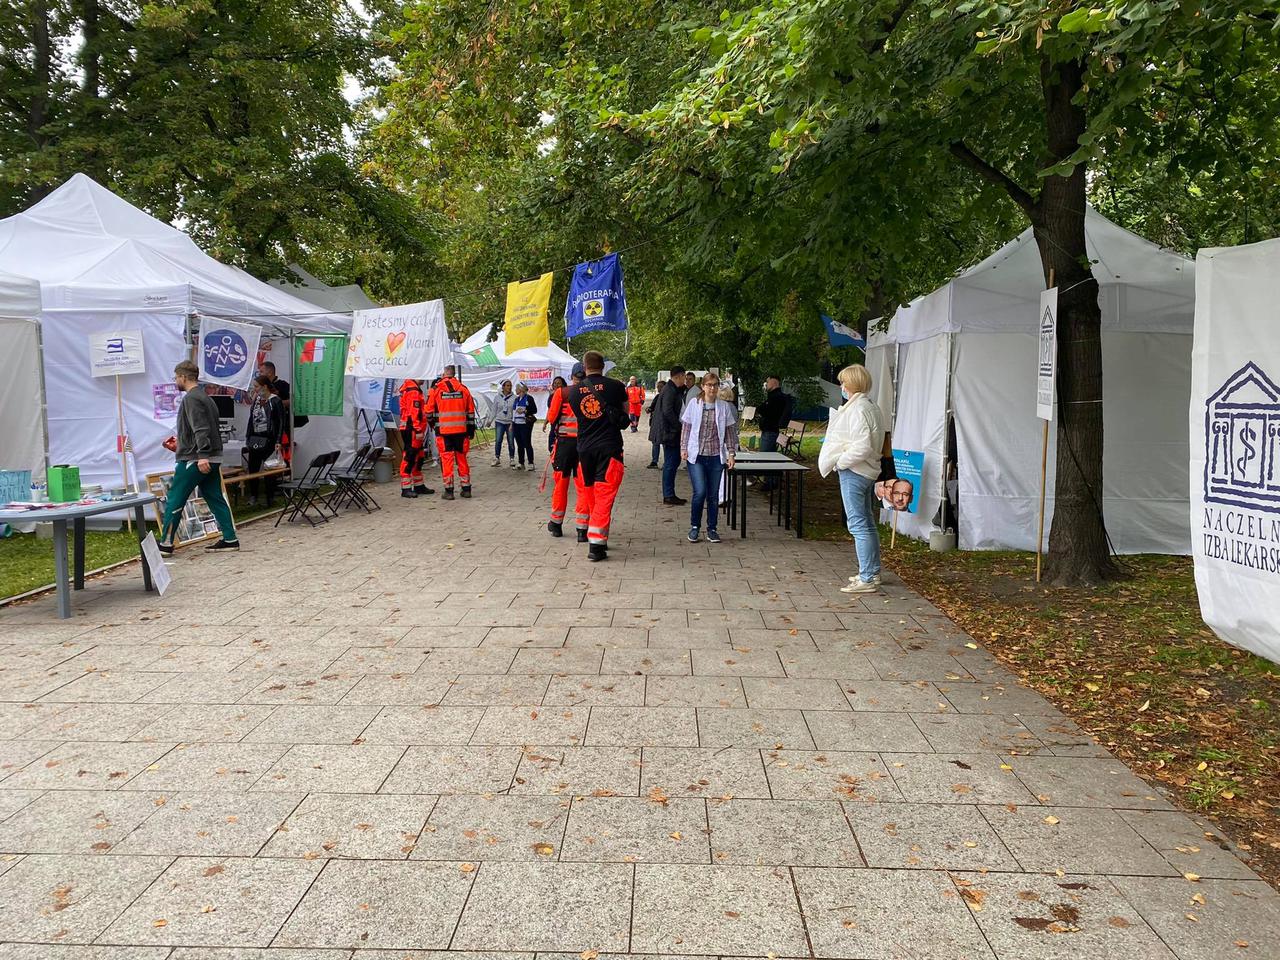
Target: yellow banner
{"type": "Point", "coordinates": [526, 320]}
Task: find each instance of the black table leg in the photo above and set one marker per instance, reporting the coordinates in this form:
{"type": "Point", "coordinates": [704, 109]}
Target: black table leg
{"type": "Point", "coordinates": [77, 547]}
{"type": "Point", "coordinates": [742, 519]}
{"type": "Point", "coordinates": [800, 508]}
{"type": "Point", "coordinates": [140, 524]}
{"type": "Point", "coordinates": [60, 568]}
{"type": "Point", "coordinates": [786, 494]}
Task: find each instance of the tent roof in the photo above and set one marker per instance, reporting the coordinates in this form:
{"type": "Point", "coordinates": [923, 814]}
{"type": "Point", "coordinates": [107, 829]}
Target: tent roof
{"type": "Point", "coordinates": [93, 250]}
{"type": "Point", "coordinates": [19, 297]}
{"type": "Point", "coordinates": [340, 299]}
{"type": "Point", "coordinates": [1142, 287]}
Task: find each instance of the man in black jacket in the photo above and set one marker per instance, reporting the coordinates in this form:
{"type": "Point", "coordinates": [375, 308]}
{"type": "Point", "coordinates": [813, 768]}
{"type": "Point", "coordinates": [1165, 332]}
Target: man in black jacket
{"type": "Point", "coordinates": [773, 417]}
{"type": "Point", "coordinates": [666, 410]}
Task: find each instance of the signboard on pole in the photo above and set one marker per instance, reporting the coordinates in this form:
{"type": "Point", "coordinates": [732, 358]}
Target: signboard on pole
{"type": "Point", "coordinates": [909, 466]}
{"type": "Point", "coordinates": [1235, 445]}
{"type": "Point", "coordinates": [116, 354]}
{"type": "Point", "coordinates": [1047, 365]}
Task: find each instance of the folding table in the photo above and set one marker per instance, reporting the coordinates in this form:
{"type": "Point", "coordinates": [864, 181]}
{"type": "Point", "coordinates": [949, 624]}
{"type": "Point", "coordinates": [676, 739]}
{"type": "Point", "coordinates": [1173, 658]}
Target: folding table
{"type": "Point", "coordinates": [750, 463]}
{"type": "Point", "coordinates": [77, 513]}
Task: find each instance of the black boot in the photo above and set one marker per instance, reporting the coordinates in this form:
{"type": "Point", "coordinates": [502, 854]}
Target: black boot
{"type": "Point", "coordinates": [409, 493]}
{"type": "Point", "coordinates": [597, 552]}
{"type": "Point", "coordinates": [466, 491]}
{"type": "Point", "coordinates": [423, 489]}
{"type": "Point", "coordinates": [448, 494]}
{"type": "Point", "coordinates": [555, 529]}
{"type": "Point", "coordinates": [582, 535]}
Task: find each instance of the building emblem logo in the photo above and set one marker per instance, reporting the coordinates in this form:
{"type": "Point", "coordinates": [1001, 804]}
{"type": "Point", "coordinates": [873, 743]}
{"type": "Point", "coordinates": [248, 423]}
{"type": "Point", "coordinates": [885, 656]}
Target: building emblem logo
{"type": "Point", "coordinates": [1242, 442]}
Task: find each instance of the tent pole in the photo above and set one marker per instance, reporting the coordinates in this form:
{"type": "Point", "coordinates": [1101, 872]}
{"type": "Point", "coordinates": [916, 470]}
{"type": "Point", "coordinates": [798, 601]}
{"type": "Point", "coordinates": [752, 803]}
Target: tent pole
{"type": "Point", "coordinates": [293, 441]}
{"type": "Point", "coordinates": [44, 398]}
{"type": "Point", "coordinates": [121, 442]}
{"type": "Point", "coordinates": [1044, 475]}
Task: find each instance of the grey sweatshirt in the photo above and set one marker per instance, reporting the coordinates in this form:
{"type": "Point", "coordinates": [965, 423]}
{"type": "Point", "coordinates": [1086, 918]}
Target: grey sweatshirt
{"type": "Point", "coordinates": [198, 434]}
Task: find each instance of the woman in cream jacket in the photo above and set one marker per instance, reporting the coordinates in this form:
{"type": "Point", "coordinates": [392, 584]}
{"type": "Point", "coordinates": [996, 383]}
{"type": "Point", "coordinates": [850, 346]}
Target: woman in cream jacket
{"type": "Point", "coordinates": [855, 436]}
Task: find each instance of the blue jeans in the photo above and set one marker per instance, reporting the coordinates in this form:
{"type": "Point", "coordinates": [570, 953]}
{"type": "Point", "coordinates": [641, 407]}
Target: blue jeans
{"type": "Point", "coordinates": [501, 430]}
{"type": "Point", "coordinates": [769, 444]}
{"type": "Point", "coordinates": [859, 495]}
{"type": "Point", "coordinates": [657, 452]}
{"type": "Point", "coordinates": [670, 465]}
{"type": "Point", "coordinates": [704, 474]}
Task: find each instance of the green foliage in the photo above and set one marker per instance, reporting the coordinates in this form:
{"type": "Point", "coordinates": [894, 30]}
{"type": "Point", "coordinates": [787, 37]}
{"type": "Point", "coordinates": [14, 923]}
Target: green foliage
{"type": "Point", "coordinates": [227, 116]}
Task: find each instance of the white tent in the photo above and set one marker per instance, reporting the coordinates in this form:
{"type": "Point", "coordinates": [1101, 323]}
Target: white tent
{"type": "Point", "coordinates": [969, 349]}
{"type": "Point", "coordinates": [105, 265]}
{"type": "Point", "coordinates": [341, 299]}
{"type": "Point", "coordinates": [21, 418]}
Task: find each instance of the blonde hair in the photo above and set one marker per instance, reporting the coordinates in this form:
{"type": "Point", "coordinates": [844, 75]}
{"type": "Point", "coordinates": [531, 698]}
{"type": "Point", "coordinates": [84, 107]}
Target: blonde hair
{"type": "Point", "coordinates": [855, 379]}
{"type": "Point", "coordinates": [726, 394]}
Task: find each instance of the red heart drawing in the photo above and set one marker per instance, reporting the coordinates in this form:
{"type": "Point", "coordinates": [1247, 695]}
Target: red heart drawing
{"type": "Point", "coordinates": [394, 342]}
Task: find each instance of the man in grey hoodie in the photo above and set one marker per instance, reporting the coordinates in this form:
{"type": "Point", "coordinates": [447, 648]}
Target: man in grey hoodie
{"type": "Point", "coordinates": [198, 448]}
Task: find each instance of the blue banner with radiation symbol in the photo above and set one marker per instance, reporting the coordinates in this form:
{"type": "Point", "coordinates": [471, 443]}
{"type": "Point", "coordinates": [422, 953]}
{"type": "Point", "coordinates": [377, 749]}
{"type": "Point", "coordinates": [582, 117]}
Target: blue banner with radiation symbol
{"type": "Point", "coordinates": [596, 298]}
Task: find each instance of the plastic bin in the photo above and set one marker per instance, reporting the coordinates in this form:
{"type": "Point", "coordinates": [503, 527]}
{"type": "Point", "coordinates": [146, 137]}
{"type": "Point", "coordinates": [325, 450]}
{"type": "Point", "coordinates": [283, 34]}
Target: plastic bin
{"type": "Point", "coordinates": [64, 484]}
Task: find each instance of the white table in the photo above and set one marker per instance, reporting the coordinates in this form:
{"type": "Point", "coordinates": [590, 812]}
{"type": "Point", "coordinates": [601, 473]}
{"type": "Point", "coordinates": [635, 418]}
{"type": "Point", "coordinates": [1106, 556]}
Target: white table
{"type": "Point", "coordinates": [77, 513]}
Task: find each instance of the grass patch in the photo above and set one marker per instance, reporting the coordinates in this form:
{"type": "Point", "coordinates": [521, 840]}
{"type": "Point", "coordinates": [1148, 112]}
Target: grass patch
{"type": "Point", "coordinates": [1130, 661]}
{"type": "Point", "coordinates": [26, 561]}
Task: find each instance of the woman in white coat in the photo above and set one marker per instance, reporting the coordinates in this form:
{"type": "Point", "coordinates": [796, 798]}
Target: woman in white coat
{"type": "Point", "coordinates": [855, 436]}
{"type": "Point", "coordinates": [708, 444]}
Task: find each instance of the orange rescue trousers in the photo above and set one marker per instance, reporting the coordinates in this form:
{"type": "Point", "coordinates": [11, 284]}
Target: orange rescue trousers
{"type": "Point", "coordinates": [600, 475]}
{"type": "Point", "coordinates": [411, 462]}
{"type": "Point", "coordinates": [453, 449]}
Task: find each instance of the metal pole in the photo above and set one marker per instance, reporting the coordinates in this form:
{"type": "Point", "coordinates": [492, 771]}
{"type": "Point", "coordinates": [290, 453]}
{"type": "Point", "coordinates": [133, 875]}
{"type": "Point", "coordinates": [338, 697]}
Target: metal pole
{"type": "Point", "coordinates": [44, 400]}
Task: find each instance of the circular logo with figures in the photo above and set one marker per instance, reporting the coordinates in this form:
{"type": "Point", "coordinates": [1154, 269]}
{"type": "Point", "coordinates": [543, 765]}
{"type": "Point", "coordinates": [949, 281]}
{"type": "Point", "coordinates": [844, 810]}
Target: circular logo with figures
{"type": "Point", "coordinates": [225, 353]}
{"type": "Point", "coordinates": [591, 408]}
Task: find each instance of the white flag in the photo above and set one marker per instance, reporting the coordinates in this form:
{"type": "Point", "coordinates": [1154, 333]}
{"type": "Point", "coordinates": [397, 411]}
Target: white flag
{"type": "Point", "coordinates": [399, 342]}
{"type": "Point", "coordinates": [228, 352]}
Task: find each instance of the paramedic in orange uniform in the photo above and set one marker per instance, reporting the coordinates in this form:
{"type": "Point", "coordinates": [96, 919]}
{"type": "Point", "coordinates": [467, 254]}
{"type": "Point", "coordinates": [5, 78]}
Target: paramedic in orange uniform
{"type": "Point", "coordinates": [413, 427]}
{"type": "Point", "coordinates": [635, 402]}
{"type": "Point", "coordinates": [451, 411]}
{"type": "Point", "coordinates": [600, 405]}
{"type": "Point", "coordinates": [564, 461]}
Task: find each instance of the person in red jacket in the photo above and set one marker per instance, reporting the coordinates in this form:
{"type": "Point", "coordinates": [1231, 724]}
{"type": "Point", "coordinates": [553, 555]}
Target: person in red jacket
{"type": "Point", "coordinates": [413, 428]}
{"type": "Point", "coordinates": [451, 411]}
{"type": "Point", "coordinates": [564, 461]}
{"type": "Point", "coordinates": [599, 404]}
{"type": "Point", "coordinates": [635, 402]}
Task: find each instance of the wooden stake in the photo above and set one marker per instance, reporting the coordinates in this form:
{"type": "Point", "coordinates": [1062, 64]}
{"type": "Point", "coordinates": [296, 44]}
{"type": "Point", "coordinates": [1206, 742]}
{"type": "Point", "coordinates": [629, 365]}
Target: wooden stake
{"type": "Point", "coordinates": [893, 537]}
{"type": "Point", "coordinates": [124, 457]}
{"type": "Point", "coordinates": [1044, 473]}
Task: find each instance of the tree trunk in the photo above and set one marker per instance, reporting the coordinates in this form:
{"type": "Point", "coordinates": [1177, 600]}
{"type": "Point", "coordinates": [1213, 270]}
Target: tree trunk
{"type": "Point", "coordinates": [42, 74]}
{"type": "Point", "coordinates": [1078, 547]}
{"type": "Point", "coordinates": [90, 57]}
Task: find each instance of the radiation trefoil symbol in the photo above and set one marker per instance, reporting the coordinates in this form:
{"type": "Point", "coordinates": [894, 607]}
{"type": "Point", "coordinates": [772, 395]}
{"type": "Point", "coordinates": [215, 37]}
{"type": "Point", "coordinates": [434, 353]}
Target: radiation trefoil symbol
{"type": "Point", "coordinates": [592, 309]}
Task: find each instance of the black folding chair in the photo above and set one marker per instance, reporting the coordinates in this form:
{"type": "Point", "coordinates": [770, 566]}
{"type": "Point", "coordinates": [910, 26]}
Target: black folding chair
{"type": "Point", "coordinates": [305, 492]}
{"type": "Point", "coordinates": [350, 483]}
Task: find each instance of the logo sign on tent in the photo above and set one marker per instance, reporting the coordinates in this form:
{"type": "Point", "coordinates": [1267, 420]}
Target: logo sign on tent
{"type": "Point", "coordinates": [526, 317]}
{"type": "Point", "coordinates": [535, 378]}
{"type": "Point", "coordinates": [596, 299]}
{"type": "Point", "coordinates": [1047, 364]}
{"type": "Point", "coordinates": [228, 351]}
{"type": "Point", "coordinates": [403, 342]}
{"type": "Point", "coordinates": [1235, 445]}
{"type": "Point", "coordinates": [116, 353]}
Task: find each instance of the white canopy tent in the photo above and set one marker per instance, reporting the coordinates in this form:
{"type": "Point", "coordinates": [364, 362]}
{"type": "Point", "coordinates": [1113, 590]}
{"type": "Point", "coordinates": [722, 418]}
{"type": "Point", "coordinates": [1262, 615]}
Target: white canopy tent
{"type": "Point", "coordinates": [105, 265]}
{"type": "Point", "coordinates": [969, 350]}
{"type": "Point", "coordinates": [341, 299]}
{"type": "Point", "coordinates": [21, 399]}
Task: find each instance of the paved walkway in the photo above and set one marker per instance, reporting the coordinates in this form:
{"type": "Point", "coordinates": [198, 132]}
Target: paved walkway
{"type": "Point", "coordinates": [436, 728]}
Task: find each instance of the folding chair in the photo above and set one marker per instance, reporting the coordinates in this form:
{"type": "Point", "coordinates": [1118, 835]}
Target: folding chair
{"type": "Point", "coordinates": [340, 478]}
{"type": "Point", "coordinates": [304, 493]}
{"type": "Point", "coordinates": [794, 437]}
{"type": "Point", "coordinates": [352, 483]}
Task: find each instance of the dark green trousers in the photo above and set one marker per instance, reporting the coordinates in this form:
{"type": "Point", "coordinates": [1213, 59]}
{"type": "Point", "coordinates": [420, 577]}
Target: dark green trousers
{"type": "Point", "coordinates": [186, 479]}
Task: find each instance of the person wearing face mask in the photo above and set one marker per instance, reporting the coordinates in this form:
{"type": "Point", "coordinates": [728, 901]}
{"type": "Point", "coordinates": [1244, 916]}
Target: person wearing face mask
{"type": "Point", "coordinates": [855, 437]}
{"type": "Point", "coordinates": [708, 443]}
{"type": "Point", "coordinates": [502, 425]}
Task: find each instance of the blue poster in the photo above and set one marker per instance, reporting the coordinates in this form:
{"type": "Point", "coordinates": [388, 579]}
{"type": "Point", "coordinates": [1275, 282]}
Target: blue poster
{"type": "Point", "coordinates": [909, 466]}
{"type": "Point", "coordinates": [596, 299]}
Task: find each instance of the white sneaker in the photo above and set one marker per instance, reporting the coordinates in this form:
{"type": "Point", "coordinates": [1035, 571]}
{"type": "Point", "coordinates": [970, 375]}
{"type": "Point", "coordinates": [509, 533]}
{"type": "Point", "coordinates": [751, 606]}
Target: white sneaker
{"type": "Point", "coordinates": [515, 467]}
{"type": "Point", "coordinates": [495, 463]}
{"type": "Point", "coordinates": [861, 586]}
{"type": "Point", "coordinates": [855, 578]}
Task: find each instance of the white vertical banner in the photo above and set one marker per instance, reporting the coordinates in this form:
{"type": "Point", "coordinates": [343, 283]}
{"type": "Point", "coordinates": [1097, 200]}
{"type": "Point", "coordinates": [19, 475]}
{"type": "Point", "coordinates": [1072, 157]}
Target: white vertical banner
{"type": "Point", "coordinates": [1235, 445]}
{"type": "Point", "coordinates": [399, 342]}
{"type": "Point", "coordinates": [116, 353]}
{"type": "Point", "coordinates": [228, 352]}
{"type": "Point", "coordinates": [1047, 363]}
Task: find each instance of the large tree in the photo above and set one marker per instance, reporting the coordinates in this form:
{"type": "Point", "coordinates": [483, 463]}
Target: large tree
{"type": "Point", "coordinates": [227, 116]}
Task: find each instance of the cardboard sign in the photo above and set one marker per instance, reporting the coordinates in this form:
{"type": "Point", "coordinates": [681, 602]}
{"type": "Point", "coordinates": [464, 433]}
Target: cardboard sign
{"type": "Point", "coordinates": [1047, 364]}
{"type": "Point", "coordinates": [160, 575]}
{"type": "Point", "coordinates": [116, 354]}
{"type": "Point", "coordinates": [403, 342]}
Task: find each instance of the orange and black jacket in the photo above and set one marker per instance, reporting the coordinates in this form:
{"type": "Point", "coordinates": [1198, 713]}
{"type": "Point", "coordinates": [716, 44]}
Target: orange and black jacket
{"type": "Point", "coordinates": [450, 408]}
